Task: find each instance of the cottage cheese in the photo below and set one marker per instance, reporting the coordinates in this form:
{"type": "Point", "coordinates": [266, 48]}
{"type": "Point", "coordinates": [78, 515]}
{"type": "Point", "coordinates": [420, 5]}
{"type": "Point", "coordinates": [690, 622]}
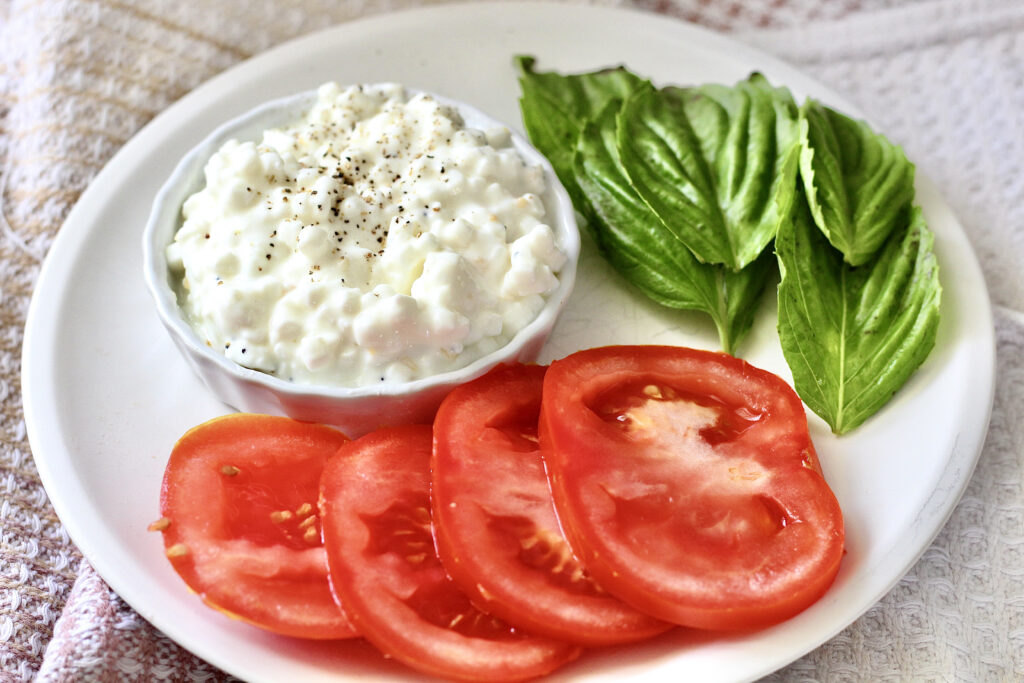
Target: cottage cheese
{"type": "Point", "coordinates": [377, 240]}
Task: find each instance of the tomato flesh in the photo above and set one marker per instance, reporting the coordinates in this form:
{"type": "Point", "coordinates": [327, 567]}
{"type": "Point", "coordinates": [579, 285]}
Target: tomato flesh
{"type": "Point", "coordinates": [241, 525]}
{"type": "Point", "coordinates": [375, 506]}
{"type": "Point", "coordinates": [497, 533]}
{"type": "Point", "coordinates": [688, 484]}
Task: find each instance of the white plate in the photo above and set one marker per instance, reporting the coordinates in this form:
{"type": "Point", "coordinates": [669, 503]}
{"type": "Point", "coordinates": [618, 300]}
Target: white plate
{"type": "Point", "coordinates": [106, 394]}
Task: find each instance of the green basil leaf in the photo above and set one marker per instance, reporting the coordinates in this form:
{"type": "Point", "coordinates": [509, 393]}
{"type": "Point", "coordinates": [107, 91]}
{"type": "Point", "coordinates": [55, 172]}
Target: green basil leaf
{"type": "Point", "coordinates": [641, 248]}
{"type": "Point", "coordinates": [858, 184]}
{"type": "Point", "coordinates": [555, 106]}
{"type": "Point", "coordinates": [853, 335]}
{"type": "Point", "coordinates": [717, 164]}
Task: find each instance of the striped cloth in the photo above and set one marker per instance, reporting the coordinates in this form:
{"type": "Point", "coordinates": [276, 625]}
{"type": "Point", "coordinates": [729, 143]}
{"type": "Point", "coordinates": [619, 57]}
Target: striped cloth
{"type": "Point", "coordinates": [945, 78]}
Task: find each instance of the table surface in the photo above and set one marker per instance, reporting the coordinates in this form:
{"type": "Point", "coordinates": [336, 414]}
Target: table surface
{"type": "Point", "coordinates": [943, 78]}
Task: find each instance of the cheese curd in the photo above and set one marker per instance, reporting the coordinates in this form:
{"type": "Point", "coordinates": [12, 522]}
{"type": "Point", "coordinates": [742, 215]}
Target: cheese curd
{"type": "Point", "coordinates": [377, 240]}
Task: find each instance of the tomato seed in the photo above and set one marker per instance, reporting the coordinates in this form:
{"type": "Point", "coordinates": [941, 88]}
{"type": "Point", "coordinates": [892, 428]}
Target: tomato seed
{"type": "Point", "coordinates": [312, 536]}
{"type": "Point", "coordinates": [279, 516]}
{"type": "Point", "coordinates": [304, 509]}
{"type": "Point", "coordinates": [229, 470]}
{"type": "Point", "coordinates": [307, 521]}
{"type": "Point", "coordinates": [177, 550]}
{"type": "Point", "coordinates": [159, 525]}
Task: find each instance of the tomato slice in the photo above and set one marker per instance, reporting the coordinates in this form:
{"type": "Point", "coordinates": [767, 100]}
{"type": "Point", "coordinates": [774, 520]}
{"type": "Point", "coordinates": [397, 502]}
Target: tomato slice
{"type": "Point", "coordinates": [240, 523]}
{"type": "Point", "coordinates": [496, 529]}
{"type": "Point", "coordinates": [375, 505]}
{"type": "Point", "coordinates": [687, 483]}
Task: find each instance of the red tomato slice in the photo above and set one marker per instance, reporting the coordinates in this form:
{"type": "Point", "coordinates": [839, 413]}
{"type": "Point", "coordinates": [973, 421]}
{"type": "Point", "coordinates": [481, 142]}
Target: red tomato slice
{"type": "Point", "coordinates": [687, 483]}
{"type": "Point", "coordinates": [496, 529]}
{"type": "Point", "coordinates": [240, 522]}
{"type": "Point", "coordinates": [375, 504]}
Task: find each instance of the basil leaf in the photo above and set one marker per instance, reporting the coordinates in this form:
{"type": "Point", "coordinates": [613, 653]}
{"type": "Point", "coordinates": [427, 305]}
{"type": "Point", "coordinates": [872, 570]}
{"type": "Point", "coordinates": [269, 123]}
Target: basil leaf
{"type": "Point", "coordinates": [853, 335]}
{"type": "Point", "coordinates": [858, 184]}
{"type": "Point", "coordinates": [717, 164]}
{"type": "Point", "coordinates": [641, 248]}
{"type": "Point", "coordinates": [555, 106]}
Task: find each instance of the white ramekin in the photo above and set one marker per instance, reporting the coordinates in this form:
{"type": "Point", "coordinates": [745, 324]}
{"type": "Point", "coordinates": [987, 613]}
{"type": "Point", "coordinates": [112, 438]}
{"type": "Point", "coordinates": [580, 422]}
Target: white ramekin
{"type": "Point", "coordinates": [354, 410]}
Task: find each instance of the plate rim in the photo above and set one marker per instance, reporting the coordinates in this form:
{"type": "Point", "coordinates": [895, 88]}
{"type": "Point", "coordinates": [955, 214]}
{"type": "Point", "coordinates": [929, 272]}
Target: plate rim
{"type": "Point", "coordinates": [76, 230]}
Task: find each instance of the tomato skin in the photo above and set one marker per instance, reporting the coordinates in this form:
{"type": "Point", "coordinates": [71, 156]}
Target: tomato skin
{"type": "Point", "coordinates": [375, 504]}
{"type": "Point", "coordinates": [225, 480]}
{"type": "Point", "coordinates": [495, 524]}
{"type": "Point", "coordinates": [688, 484]}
